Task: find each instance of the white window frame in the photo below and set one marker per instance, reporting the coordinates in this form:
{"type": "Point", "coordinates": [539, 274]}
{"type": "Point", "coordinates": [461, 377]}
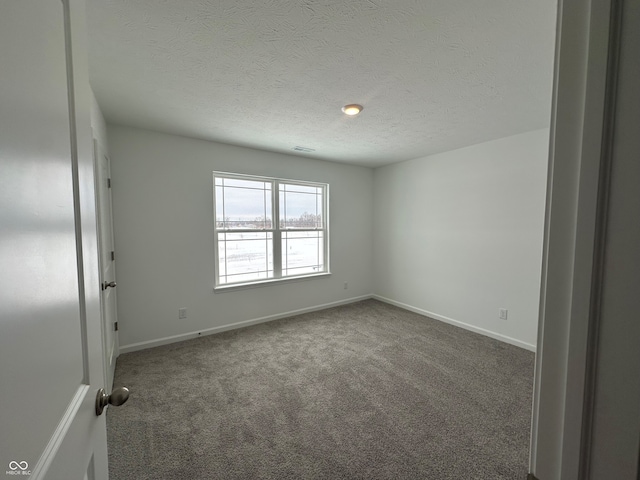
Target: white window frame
{"type": "Point", "coordinates": [276, 231]}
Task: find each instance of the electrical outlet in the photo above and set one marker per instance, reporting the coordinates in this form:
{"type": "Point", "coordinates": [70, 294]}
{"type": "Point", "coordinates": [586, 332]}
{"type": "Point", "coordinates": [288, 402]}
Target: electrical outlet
{"type": "Point", "coordinates": [182, 313]}
{"type": "Point", "coordinates": [503, 313]}
{"type": "Point", "coordinates": [346, 285]}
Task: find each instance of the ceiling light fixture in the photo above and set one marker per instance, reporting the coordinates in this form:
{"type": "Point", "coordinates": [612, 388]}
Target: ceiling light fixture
{"type": "Point", "coordinates": [352, 109]}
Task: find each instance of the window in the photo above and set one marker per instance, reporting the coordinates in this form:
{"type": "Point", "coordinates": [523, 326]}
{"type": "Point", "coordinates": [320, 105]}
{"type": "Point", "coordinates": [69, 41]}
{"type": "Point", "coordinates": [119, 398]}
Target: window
{"type": "Point", "coordinates": [268, 229]}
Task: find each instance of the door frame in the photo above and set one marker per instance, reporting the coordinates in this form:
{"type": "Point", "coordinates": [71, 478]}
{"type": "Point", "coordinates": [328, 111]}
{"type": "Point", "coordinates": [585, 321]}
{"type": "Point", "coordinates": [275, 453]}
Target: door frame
{"type": "Point", "coordinates": [583, 111]}
{"type": "Point", "coordinates": [108, 374]}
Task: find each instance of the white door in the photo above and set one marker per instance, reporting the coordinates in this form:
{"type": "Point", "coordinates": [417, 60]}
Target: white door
{"type": "Point", "coordinates": [50, 336]}
{"type": "Point", "coordinates": [107, 260]}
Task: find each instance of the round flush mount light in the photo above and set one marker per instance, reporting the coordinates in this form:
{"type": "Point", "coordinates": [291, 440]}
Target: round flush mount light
{"type": "Point", "coordinates": [352, 109]}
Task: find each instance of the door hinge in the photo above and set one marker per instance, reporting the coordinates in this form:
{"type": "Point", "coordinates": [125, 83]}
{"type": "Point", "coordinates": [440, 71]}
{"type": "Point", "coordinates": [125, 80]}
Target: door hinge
{"type": "Point", "coordinates": [115, 326]}
{"type": "Point", "coordinates": [113, 255]}
{"type": "Point", "coordinates": [108, 183]}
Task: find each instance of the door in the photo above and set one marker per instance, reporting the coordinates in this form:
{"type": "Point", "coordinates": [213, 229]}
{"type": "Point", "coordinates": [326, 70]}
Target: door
{"type": "Point", "coordinates": [50, 336]}
{"type": "Point", "coordinates": [107, 260]}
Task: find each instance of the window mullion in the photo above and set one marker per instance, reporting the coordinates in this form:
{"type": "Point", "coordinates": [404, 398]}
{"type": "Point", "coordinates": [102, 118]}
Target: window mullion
{"type": "Point", "coordinates": [277, 237]}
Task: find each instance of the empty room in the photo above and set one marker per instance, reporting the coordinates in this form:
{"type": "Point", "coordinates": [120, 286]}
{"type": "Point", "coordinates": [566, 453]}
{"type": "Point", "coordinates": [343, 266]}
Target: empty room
{"type": "Point", "coordinates": [389, 261]}
{"type": "Point", "coordinates": [301, 239]}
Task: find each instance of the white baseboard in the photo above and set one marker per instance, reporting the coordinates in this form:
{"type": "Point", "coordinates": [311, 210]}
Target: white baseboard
{"type": "Point", "coordinates": [232, 326]}
{"type": "Point", "coordinates": [451, 321]}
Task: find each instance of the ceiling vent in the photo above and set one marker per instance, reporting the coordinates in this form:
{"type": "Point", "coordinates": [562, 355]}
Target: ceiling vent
{"type": "Point", "coordinates": [304, 149]}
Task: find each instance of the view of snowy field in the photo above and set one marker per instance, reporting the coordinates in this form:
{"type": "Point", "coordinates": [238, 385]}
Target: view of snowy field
{"type": "Point", "coordinates": [247, 256]}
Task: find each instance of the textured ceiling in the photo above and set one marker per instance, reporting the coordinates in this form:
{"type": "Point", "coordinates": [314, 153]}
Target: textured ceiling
{"type": "Point", "coordinates": [433, 75]}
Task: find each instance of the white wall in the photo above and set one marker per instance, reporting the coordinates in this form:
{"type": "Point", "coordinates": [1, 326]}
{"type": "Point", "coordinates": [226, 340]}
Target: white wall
{"type": "Point", "coordinates": [458, 235]}
{"type": "Point", "coordinates": [163, 225]}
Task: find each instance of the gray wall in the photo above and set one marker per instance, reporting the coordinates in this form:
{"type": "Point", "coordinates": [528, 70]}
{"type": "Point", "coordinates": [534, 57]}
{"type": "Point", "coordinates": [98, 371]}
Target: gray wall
{"type": "Point", "coordinates": [458, 235]}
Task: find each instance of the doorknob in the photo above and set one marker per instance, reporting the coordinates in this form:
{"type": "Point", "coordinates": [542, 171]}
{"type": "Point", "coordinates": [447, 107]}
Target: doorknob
{"type": "Point", "coordinates": [117, 398]}
{"type": "Point", "coordinates": [106, 285]}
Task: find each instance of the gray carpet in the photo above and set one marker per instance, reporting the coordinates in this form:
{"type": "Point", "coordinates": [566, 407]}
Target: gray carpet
{"type": "Point", "coordinates": [362, 391]}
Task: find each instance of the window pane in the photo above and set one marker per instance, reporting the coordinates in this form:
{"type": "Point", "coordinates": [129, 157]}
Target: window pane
{"type": "Point", "coordinates": [244, 257]}
{"type": "Point", "coordinates": [300, 209]}
{"type": "Point", "coordinates": [243, 204]}
{"type": "Point", "coordinates": [219, 208]}
{"type": "Point", "coordinates": [302, 253]}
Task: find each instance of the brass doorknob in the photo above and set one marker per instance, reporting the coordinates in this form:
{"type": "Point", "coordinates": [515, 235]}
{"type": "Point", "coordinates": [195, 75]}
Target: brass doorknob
{"type": "Point", "coordinates": [117, 398]}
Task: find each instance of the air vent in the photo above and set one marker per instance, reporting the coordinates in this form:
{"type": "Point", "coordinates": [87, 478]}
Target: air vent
{"type": "Point", "coordinates": [304, 149]}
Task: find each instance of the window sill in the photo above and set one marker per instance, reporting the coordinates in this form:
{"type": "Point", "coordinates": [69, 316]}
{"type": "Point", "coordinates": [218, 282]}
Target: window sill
{"type": "Point", "coordinates": [264, 283]}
